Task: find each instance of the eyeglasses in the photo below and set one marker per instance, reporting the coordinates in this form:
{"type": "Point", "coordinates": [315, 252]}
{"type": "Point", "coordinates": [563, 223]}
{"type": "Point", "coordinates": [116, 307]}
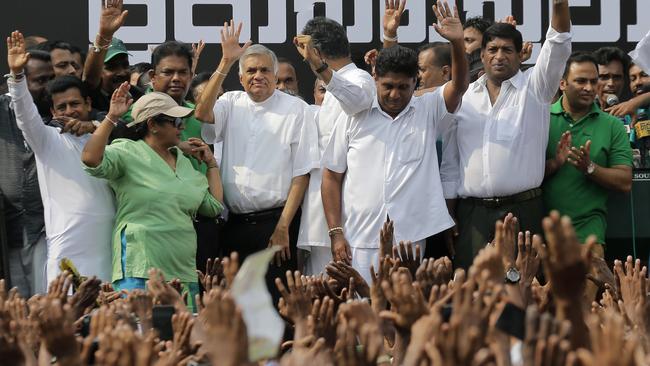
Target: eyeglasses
{"type": "Point", "coordinates": [177, 122]}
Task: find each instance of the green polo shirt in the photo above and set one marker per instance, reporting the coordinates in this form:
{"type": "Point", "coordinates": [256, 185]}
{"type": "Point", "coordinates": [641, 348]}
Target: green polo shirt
{"type": "Point", "coordinates": [192, 129]}
{"type": "Point", "coordinates": [155, 207]}
{"type": "Point", "coordinates": [571, 192]}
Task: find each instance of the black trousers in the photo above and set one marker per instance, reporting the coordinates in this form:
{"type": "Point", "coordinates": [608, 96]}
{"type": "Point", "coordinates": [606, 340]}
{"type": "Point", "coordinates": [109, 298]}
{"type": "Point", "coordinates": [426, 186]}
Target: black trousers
{"type": "Point", "coordinates": [250, 233]}
{"type": "Point", "coordinates": [209, 233]}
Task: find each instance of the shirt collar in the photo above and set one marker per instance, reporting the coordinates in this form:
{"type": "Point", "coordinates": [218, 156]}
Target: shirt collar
{"type": "Point", "coordinates": [558, 109]}
{"type": "Point", "coordinates": [348, 67]}
{"type": "Point", "coordinates": [375, 105]}
{"type": "Point", "coordinates": [517, 81]}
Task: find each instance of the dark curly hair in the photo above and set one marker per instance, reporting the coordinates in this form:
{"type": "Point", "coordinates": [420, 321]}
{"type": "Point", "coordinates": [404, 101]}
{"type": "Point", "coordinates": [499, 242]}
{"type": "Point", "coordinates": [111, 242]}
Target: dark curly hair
{"type": "Point", "coordinates": [505, 31]}
{"type": "Point", "coordinates": [328, 36]}
{"type": "Point", "coordinates": [479, 23]}
{"type": "Point", "coordinates": [397, 59]}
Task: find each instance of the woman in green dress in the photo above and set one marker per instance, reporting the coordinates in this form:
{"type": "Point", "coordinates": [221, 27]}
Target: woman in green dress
{"type": "Point", "coordinates": [158, 191]}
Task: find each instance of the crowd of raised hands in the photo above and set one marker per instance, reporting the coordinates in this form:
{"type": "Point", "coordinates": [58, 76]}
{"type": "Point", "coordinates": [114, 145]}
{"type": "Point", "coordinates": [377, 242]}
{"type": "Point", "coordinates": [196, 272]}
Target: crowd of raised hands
{"type": "Point", "coordinates": [568, 308]}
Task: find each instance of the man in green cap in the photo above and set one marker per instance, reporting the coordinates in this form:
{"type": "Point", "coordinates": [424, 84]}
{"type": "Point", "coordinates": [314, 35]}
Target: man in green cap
{"type": "Point", "coordinates": [107, 64]}
{"type": "Point", "coordinates": [588, 152]}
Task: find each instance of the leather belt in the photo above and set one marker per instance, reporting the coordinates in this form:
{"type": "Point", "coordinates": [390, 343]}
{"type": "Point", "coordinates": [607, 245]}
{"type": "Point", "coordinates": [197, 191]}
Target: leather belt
{"type": "Point", "coordinates": [255, 217]}
{"type": "Point", "coordinates": [507, 200]}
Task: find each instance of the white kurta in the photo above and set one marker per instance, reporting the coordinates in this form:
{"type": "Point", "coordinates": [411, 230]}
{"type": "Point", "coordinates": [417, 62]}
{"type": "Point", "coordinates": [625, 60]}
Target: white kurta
{"type": "Point", "coordinates": [265, 145]}
{"type": "Point", "coordinates": [350, 91]}
{"type": "Point", "coordinates": [391, 169]}
{"type": "Point", "coordinates": [502, 147]}
{"type": "Point", "coordinates": [641, 53]}
{"type": "Point", "coordinates": [79, 209]}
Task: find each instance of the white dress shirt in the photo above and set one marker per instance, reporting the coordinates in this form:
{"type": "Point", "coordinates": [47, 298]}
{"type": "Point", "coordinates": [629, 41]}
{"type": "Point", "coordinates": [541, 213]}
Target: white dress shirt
{"type": "Point", "coordinates": [502, 147]}
{"type": "Point", "coordinates": [350, 91]}
{"type": "Point", "coordinates": [265, 145]}
{"type": "Point", "coordinates": [391, 169]}
{"type": "Point", "coordinates": [79, 209]}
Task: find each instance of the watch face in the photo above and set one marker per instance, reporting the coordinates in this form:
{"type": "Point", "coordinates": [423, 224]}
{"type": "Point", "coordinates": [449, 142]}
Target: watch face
{"type": "Point", "coordinates": [513, 275]}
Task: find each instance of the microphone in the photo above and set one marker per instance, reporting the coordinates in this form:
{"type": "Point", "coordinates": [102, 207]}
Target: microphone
{"type": "Point", "coordinates": [611, 100]}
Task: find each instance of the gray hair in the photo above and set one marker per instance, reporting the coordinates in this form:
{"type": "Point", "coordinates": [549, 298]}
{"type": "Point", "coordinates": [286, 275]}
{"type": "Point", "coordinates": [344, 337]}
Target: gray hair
{"type": "Point", "coordinates": [258, 49]}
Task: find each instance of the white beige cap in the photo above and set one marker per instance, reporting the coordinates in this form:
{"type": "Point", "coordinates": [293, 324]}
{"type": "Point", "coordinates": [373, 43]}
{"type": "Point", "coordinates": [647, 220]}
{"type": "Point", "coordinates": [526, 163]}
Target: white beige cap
{"type": "Point", "coordinates": [154, 104]}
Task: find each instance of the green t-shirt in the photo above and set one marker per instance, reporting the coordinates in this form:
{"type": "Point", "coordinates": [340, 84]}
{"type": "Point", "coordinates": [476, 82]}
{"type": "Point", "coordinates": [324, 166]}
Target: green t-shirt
{"type": "Point", "coordinates": [155, 207]}
{"type": "Point", "coordinates": [569, 191]}
{"type": "Point", "coordinates": [192, 129]}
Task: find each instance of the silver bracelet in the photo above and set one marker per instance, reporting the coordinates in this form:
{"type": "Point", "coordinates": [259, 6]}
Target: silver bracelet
{"type": "Point", "coordinates": [390, 39]}
{"type": "Point", "coordinates": [15, 77]}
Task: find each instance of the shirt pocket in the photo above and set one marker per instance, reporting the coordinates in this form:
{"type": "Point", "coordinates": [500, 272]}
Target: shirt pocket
{"type": "Point", "coordinates": [507, 123]}
{"type": "Point", "coordinates": [411, 144]}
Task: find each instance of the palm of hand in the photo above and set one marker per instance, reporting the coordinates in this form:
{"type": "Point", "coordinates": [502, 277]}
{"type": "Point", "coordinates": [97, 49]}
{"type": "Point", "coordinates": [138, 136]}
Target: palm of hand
{"type": "Point", "coordinates": [110, 20]}
{"type": "Point", "coordinates": [392, 18]}
{"type": "Point", "coordinates": [451, 28]}
{"type": "Point", "coordinates": [17, 57]}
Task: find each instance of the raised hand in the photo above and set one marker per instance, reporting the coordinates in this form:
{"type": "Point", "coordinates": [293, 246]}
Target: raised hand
{"type": "Point", "coordinates": [197, 49]}
{"type": "Point", "coordinates": [406, 300]}
{"type": "Point", "coordinates": [407, 256]}
{"type": "Point", "coordinates": [384, 270]}
{"type": "Point", "coordinates": [322, 321]}
{"type": "Point", "coordinates": [546, 339]}
{"type": "Point", "coordinates": [230, 268]}
{"type": "Point", "coordinates": [60, 287]}
{"type": "Point", "coordinates": [111, 18]}
{"type": "Point", "coordinates": [17, 57]}
{"type": "Point", "coordinates": [142, 306]}
{"type": "Point", "coordinates": [563, 149]}
{"type": "Point", "coordinates": [86, 296]}
{"type": "Point", "coordinates": [342, 272]}
{"type": "Point", "coordinates": [307, 50]}
{"type": "Point", "coordinates": [120, 102]}
{"type": "Point", "coordinates": [433, 272]}
{"type": "Point", "coordinates": [226, 339]}
{"type": "Point", "coordinates": [230, 48]}
{"type": "Point", "coordinates": [528, 261]}
{"type": "Point", "coordinates": [213, 273]}
{"type": "Point", "coordinates": [448, 25]}
{"type": "Point", "coordinates": [296, 301]}
{"type": "Point", "coordinates": [346, 351]}
{"type": "Point", "coordinates": [341, 249]}
{"type": "Point", "coordinates": [163, 293]}
{"type": "Point", "coordinates": [526, 51]}
{"type": "Point", "coordinates": [280, 238]}
{"type": "Point", "coordinates": [632, 279]}
{"type": "Point", "coordinates": [393, 16]}
{"type": "Point", "coordinates": [386, 239]}
{"type": "Point", "coordinates": [57, 329]}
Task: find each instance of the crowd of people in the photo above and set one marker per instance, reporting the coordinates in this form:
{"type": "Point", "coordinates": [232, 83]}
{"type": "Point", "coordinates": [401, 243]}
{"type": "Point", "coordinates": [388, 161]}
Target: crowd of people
{"type": "Point", "coordinates": [439, 206]}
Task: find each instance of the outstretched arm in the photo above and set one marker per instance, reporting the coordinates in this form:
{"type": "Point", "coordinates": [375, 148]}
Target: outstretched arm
{"type": "Point", "coordinates": [111, 19]}
{"type": "Point", "coordinates": [231, 52]}
{"type": "Point", "coordinates": [561, 19]}
{"type": "Point", "coordinates": [450, 27]}
{"type": "Point", "coordinates": [391, 20]}
{"type": "Point", "coordinates": [93, 153]}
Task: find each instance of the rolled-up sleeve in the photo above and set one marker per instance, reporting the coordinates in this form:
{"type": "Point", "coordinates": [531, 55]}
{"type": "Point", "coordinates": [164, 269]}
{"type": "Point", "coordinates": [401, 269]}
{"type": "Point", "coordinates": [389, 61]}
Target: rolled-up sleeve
{"type": "Point", "coordinates": [210, 206]}
{"type": "Point", "coordinates": [111, 166]}
{"type": "Point", "coordinates": [548, 70]}
{"type": "Point", "coordinates": [212, 133]}
{"type": "Point", "coordinates": [354, 93]}
{"type": "Point", "coordinates": [335, 156]}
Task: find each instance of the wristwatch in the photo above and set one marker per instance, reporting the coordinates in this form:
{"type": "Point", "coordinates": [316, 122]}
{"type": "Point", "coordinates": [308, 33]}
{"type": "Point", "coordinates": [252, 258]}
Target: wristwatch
{"type": "Point", "coordinates": [590, 168]}
{"type": "Point", "coordinates": [512, 276]}
{"type": "Point", "coordinates": [322, 68]}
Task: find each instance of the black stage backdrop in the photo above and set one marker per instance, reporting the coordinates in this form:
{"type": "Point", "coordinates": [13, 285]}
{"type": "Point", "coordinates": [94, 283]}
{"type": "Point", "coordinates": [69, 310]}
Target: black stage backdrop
{"type": "Point", "coordinates": [274, 23]}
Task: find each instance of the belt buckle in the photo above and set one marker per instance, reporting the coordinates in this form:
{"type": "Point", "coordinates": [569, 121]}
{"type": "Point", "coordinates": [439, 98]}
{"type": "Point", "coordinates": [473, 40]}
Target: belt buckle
{"type": "Point", "coordinates": [492, 201]}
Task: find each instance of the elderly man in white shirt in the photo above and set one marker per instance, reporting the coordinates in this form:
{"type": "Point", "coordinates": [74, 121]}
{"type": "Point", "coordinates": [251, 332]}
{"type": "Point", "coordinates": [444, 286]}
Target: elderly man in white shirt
{"type": "Point", "coordinates": [79, 210]}
{"type": "Point", "coordinates": [383, 163]}
{"type": "Point", "coordinates": [502, 132]}
{"type": "Point", "coordinates": [349, 90]}
{"type": "Point", "coordinates": [269, 147]}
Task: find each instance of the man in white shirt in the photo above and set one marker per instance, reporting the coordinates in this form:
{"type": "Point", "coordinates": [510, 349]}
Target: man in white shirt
{"type": "Point", "coordinates": [383, 163]}
{"type": "Point", "coordinates": [349, 90]}
{"type": "Point", "coordinates": [79, 210]}
{"type": "Point", "coordinates": [269, 147]}
{"type": "Point", "coordinates": [502, 132]}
